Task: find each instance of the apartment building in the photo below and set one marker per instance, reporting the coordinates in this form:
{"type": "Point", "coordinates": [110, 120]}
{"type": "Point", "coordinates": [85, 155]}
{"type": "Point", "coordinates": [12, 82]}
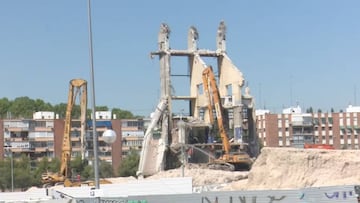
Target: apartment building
{"type": "Point", "coordinates": [292, 128]}
{"type": "Point", "coordinates": [42, 136]}
{"type": "Point", "coordinates": [133, 132]}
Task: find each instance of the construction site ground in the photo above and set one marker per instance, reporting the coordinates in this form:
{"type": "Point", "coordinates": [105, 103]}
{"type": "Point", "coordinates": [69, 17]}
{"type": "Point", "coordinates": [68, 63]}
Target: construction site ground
{"type": "Point", "coordinates": [278, 168]}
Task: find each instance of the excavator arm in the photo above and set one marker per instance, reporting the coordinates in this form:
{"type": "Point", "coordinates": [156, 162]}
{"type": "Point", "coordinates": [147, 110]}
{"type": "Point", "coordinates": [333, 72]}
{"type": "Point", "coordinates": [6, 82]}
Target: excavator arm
{"type": "Point", "coordinates": [229, 160]}
{"type": "Point", "coordinates": [76, 85]}
{"type": "Point", "coordinates": [214, 97]}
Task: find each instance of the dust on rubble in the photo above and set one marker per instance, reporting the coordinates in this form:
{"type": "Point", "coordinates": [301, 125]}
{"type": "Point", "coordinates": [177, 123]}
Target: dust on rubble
{"type": "Point", "coordinates": [279, 168]}
{"type": "Point", "coordinates": [202, 176]}
{"type": "Point", "coordinates": [288, 168]}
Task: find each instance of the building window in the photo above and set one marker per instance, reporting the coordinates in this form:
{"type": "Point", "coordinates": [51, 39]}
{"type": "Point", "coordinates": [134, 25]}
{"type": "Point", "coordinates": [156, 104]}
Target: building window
{"type": "Point", "coordinates": [348, 130]}
{"type": "Point", "coordinates": [316, 121]}
{"type": "Point", "coordinates": [323, 121]}
{"type": "Point", "coordinates": [40, 124]}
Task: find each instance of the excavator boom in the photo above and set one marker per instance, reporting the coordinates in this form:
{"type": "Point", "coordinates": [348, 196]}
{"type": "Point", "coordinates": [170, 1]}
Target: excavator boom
{"type": "Point", "coordinates": [229, 160]}
{"type": "Point", "coordinates": [77, 86]}
{"type": "Point", "coordinates": [210, 80]}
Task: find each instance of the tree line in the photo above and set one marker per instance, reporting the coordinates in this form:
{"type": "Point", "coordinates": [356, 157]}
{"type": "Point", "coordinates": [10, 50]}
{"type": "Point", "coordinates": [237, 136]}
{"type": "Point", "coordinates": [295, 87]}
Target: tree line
{"type": "Point", "coordinates": [24, 107]}
{"type": "Point", "coordinates": [27, 173]}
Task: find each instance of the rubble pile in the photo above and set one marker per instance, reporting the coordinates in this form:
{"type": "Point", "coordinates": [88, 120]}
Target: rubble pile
{"type": "Point", "coordinates": [202, 176]}
{"type": "Point", "coordinates": [286, 168]}
{"type": "Point", "coordinates": [282, 168]}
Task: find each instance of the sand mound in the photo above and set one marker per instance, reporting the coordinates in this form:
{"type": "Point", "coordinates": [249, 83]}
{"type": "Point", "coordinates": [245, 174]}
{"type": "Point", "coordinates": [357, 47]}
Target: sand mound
{"type": "Point", "coordinates": [277, 168]}
{"type": "Point", "coordinates": [203, 176]}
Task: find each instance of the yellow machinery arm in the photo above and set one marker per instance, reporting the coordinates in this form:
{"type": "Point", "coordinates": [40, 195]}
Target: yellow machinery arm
{"type": "Point", "coordinates": [209, 80]}
{"type": "Point", "coordinates": [75, 85]}
{"type": "Point", "coordinates": [230, 160]}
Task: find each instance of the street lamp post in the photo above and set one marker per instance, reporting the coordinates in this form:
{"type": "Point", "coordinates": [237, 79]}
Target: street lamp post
{"type": "Point", "coordinates": [109, 133]}
{"type": "Point", "coordinates": [12, 170]}
{"type": "Point", "coordinates": [95, 137]}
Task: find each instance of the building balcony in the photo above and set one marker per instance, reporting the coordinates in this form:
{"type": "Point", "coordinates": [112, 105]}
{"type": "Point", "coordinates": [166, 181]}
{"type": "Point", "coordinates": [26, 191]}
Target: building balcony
{"type": "Point", "coordinates": [301, 123]}
{"type": "Point", "coordinates": [18, 139]}
{"type": "Point", "coordinates": [17, 129]}
{"type": "Point", "coordinates": [303, 133]}
{"type": "Point", "coordinates": [42, 149]}
{"type": "Point", "coordinates": [19, 150]}
{"type": "Point", "coordinates": [44, 129]}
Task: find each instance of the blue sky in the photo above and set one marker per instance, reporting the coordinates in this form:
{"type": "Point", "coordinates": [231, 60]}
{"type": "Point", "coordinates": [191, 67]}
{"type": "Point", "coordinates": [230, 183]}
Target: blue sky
{"type": "Point", "coordinates": [290, 52]}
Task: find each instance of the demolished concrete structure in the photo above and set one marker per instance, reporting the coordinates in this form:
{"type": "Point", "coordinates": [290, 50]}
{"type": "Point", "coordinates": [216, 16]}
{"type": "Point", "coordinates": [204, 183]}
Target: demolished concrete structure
{"type": "Point", "coordinates": [163, 146]}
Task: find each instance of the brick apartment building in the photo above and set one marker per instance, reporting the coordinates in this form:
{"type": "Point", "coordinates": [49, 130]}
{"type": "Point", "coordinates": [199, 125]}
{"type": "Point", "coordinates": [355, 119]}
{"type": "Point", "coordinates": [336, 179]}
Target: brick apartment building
{"type": "Point", "coordinates": [292, 128]}
{"type": "Point", "coordinates": [42, 136]}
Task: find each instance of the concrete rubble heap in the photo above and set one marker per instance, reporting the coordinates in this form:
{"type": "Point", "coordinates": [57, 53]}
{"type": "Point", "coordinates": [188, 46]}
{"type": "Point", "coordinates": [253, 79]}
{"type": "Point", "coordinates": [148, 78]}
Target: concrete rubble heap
{"type": "Point", "coordinates": [282, 168]}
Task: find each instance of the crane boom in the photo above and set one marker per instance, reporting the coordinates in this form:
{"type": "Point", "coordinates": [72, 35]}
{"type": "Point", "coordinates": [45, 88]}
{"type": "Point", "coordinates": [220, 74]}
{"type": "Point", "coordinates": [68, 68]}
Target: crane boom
{"type": "Point", "coordinates": [229, 160]}
{"type": "Point", "coordinates": [76, 85]}
{"type": "Point", "coordinates": [209, 79]}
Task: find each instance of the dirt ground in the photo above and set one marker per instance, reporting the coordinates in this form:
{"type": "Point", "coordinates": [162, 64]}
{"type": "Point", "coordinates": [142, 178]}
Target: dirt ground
{"type": "Point", "coordinates": [281, 168]}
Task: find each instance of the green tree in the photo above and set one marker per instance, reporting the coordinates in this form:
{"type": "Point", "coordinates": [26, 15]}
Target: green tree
{"type": "Point", "coordinates": [78, 166]}
{"type": "Point", "coordinates": [4, 107]}
{"type": "Point", "coordinates": [129, 164]}
{"type": "Point", "coordinates": [101, 108]}
{"type": "Point", "coordinates": [105, 169]}
{"type": "Point", "coordinates": [309, 110]}
{"type": "Point", "coordinates": [5, 171]}
{"type": "Point", "coordinates": [88, 172]}
{"type": "Point", "coordinates": [43, 166]}
{"type": "Point", "coordinates": [60, 109]}
{"type": "Point", "coordinates": [122, 114]}
{"type": "Point", "coordinates": [40, 105]}
{"type": "Point", "coordinates": [22, 107]}
{"type": "Point", "coordinates": [23, 178]}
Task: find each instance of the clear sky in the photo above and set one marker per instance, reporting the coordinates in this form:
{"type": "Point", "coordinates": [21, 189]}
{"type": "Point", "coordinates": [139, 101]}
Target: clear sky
{"type": "Point", "coordinates": [291, 52]}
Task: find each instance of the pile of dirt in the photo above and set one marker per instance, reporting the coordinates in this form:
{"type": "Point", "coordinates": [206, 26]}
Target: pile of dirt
{"type": "Point", "coordinates": [202, 176]}
{"type": "Point", "coordinates": [282, 168]}
{"type": "Point", "coordinates": [278, 168]}
{"type": "Point", "coordinates": [285, 168]}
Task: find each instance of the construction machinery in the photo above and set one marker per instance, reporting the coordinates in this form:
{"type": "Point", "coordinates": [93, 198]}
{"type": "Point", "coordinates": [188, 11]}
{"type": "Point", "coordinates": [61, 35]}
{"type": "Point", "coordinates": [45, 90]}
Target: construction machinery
{"type": "Point", "coordinates": [230, 159]}
{"type": "Point", "coordinates": [77, 86]}
{"type": "Point", "coordinates": [318, 146]}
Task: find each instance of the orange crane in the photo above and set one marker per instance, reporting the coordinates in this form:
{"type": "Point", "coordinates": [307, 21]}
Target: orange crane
{"type": "Point", "coordinates": [229, 160]}
{"type": "Point", "coordinates": [63, 176]}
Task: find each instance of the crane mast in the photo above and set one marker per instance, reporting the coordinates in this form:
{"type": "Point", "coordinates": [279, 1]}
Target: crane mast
{"type": "Point", "coordinates": [77, 86]}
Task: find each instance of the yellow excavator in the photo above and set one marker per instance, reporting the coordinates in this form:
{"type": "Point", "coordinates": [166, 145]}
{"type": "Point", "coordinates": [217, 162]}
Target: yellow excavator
{"type": "Point", "coordinates": [77, 86]}
{"type": "Point", "coordinates": [230, 159]}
